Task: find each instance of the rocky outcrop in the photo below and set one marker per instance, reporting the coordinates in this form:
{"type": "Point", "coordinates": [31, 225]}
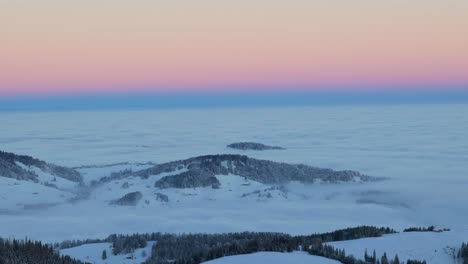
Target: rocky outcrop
{"type": "Point", "coordinates": [130, 199]}
{"type": "Point", "coordinates": [251, 146]}
{"type": "Point", "coordinates": [17, 167]}
{"type": "Point", "coordinates": [200, 172]}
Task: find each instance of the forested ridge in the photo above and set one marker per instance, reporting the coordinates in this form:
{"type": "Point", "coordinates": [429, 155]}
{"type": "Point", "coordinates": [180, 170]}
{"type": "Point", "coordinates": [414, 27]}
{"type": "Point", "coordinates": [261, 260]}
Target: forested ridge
{"type": "Point", "coordinates": [200, 170]}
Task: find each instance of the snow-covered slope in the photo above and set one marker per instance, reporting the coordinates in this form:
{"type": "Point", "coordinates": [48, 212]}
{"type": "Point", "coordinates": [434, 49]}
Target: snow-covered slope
{"type": "Point", "coordinates": [48, 179]}
{"type": "Point", "coordinates": [18, 195]}
{"type": "Point", "coordinates": [22, 167]}
{"type": "Point", "coordinates": [435, 248]}
{"type": "Point", "coordinates": [273, 258]}
{"type": "Point", "coordinates": [29, 183]}
{"type": "Point", "coordinates": [92, 253]}
{"type": "Point", "coordinates": [238, 205]}
{"type": "Point", "coordinates": [264, 171]}
{"type": "Point", "coordinates": [233, 189]}
{"type": "Point", "coordinates": [96, 172]}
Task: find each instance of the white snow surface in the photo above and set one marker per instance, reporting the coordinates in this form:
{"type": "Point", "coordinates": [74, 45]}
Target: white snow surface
{"type": "Point", "coordinates": [435, 248]}
{"type": "Point", "coordinates": [31, 195]}
{"type": "Point", "coordinates": [15, 194]}
{"type": "Point", "coordinates": [273, 258]}
{"type": "Point", "coordinates": [92, 253]}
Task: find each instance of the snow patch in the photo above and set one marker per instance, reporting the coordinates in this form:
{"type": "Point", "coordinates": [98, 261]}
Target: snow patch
{"type": "Point", "coordinates": [274, 258]}
{"type": "Point", "coordinates": [92, 253]}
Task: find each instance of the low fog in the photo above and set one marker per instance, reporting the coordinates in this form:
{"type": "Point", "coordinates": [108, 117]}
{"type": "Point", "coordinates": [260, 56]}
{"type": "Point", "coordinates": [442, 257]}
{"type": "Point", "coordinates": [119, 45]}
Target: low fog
{"type": "Point", "coordinates": [421, 150]}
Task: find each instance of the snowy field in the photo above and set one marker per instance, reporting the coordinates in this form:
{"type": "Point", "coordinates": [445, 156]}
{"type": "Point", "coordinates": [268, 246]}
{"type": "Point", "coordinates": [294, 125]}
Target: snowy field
{"type": "Point", "coordinates": [423, 149]}
{"type": "Point", "coordinates": [273, 258]}
{"type": "Point", "coordinates": [92, 253]}
{"type": "Point", "coordinates": [435, 248]}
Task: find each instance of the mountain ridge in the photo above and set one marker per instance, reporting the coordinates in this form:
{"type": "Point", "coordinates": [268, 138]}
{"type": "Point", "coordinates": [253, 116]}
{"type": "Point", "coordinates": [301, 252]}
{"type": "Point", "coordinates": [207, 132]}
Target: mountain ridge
{"type": "Point", "coordinates": [10, 168]}
{"type": "Point", "coordinates": [200, 171]}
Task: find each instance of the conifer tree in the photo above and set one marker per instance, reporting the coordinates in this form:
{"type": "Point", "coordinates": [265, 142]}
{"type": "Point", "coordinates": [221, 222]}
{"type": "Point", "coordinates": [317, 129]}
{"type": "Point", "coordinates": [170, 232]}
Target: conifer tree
{"type": "Point", "coordinates": [384, 259]}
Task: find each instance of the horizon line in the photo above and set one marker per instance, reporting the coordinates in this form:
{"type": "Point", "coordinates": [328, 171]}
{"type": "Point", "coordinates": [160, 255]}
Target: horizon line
{"type": "Point", "coordinates": [151, 100]}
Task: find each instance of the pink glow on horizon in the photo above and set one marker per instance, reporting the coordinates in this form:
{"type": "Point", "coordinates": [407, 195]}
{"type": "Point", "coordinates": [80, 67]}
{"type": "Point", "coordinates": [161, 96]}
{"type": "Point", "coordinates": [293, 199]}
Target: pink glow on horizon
{"type": "Point", "coordinates": [116, 46]}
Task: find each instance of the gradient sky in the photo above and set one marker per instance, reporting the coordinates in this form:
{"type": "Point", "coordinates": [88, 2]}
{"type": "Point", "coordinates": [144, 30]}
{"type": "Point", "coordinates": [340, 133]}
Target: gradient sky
{"type": "Point", "coordinates": [63, 47]}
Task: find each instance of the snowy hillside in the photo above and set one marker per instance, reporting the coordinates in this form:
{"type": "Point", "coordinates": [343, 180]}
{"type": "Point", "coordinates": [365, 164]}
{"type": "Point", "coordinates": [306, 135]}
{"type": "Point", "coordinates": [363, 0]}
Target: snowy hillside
{"type": "Point", "coordinates": [22, 167]}
{"type": "Point", "coordinates": [237, 204]}
{"type": "Point", "coordinates": [97, 172]}
{"type": "Point", "coordinates": [273, 258]}
{"type": "Point", "coordinates": [93, 253]}
{"type": "Point", "coordinates": [195, 189]}
{"type": "Point", "coordinates": [435, 248]}
{"type": "Point", "coordinates": [18, 195]}
{"type": "Point", "coordinates": [29, 183]}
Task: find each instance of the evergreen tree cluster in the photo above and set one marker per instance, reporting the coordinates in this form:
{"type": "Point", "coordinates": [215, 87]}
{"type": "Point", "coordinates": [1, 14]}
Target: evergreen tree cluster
{"type": "Point", "coordinates": [415, 262]}
{"type": "Point", "coordinates": [76, 243]}
{"type": "Point", "coordinates": [463, 253]}
{"type": "Point", "coordinates": [330, 252]}
{"type": "Point", "coordinates": [124, 244]}
{"type": "Point", "coordinates": [355, 233]}
{"type": "Point", "coordinates": [29, 252]}
{"type": "Point", "coordinates": [197, 248]}
{"type": "Point", "coordinates": [420, 229]}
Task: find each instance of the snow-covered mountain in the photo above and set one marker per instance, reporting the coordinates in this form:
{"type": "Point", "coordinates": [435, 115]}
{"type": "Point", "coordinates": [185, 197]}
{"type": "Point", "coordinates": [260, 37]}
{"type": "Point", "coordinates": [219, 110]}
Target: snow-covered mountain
{"type": "Point", "coordinates": [201, 171]}
{"type": "Point", "coordinates": [206, 185]}
{"type": "Point", "coordinates": [227, 178]}
{"type": "Point", "coordinates": [28, 183]}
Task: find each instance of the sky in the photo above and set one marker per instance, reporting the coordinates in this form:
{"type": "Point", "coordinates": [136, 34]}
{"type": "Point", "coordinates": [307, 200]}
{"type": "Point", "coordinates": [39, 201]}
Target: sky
{"type": "Point", "coordinates": [111, 47]}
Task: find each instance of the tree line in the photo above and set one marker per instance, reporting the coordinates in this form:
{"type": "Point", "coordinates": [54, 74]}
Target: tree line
{"type": "Point", "coordinates": [29, 252]}
{"type": "Point", "coordinates": [197, 248]}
